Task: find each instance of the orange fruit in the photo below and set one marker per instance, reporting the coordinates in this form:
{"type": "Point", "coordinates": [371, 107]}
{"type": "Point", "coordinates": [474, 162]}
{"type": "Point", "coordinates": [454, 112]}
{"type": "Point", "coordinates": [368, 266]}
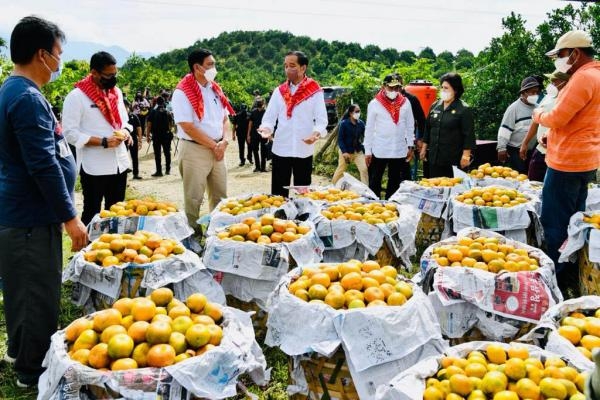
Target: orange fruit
{"type": "Point", "coordinates": [571, 333]}
{"type": "Point", "coordinates": [389, 271]}
{"type": "Point", "coordinates": [143, 309]}
{"type": "Point", "coordinates": [378, 275]}
{"type": "Point", "coordinates": [494, 382]}
{"type": "Point", "coordinates": [373, 293]}
{"type": "Point", "coordinates": [433, 393]}
{"type": "Point", "coordinates": [320, 278]}
{"type": "Point", "coordinates": [98, 356]}
{"type": "Point", "coordinates": [197, 336]}
{"type": "Point", "coordinates": [203, 319]}
{"type": "Point", "coordinates": [496, 354]}
{"type": "Point", "coordinates": [348, 267]}
{"type": "Point", "coordinates": [335, 299]}
{"type": "Point", "coordinates": [370, 265]}
{"type": "Point", "coordinates": [518, 352]}
{"type": "Point", "coordinates": [181, 324]}
{"type": "Point", "coordinates": [123, 364]}
{"type": "Point", "coordinates": [454, 255]}
{"type": "Point", "coordinates": [368, 282]}
{"type": "Point", "coordinates": [81, 356]}
{"type": "Point", "coordinates": [123, 305]}
{"type": "Point", "coordinates": [160, 355]}
{"type": "Point", "coordinates": [137, 331]}
{"type": "Point", "coordinates": [86, 340]}
{"type": "Point", "coordinates": [506, 395]}
{"type": "Point", "coordinates": [139, 354]}
{"type": "Point", "coordinates": [515, 369]}
{"type": "Point", "coordinates": [161, 296]}
{"type": "Point", "coordinates": [110, 332]}
{"type": "Point", "coordinates": [592, 326]}
{"type": "Point", "coordinates": [317, 292]}
{"type": "Point", "coordinates": [216, 334]}
{"type": "Point", "coordinates": [213, 310]}
{"type": "Point", "coordinates": [196, 302]}
{"type": "Point", "coordinates": [75, 328]}
{"type": "Point", "coordinates": [179, 311]}
{"type": "Point", "coordinates": [461, 384]}
{"type": "Point", "coordinates": [120, 346]}
{"type": "Point", "coordinates": [177, 341]}
{"type": "Point", "coordinates": [396, 299]}
{"type": "Point", "coordinates": [158, 332]}
{"type": "Point", "coordinates": [105, 318]}
{"type": "Point", "coordinates": [352, 280]}
{"type": "Point", "coordinates": [527, 389]}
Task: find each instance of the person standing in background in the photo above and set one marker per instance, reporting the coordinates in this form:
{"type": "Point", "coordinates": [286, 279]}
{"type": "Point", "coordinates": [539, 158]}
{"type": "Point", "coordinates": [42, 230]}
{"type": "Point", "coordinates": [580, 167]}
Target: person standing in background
{"type": "Point", "coordinates": [240, 127]}
{"type": "Point", "coordinates": [95, 122]}
{"type": "Point", "coordinates": [389, 136]}
{"type": "Point", "coordinates": [159, 126]}
{"type": "Point", "coordinates": [449, 132]}
{"type": "Point", "coordinates": [37, 199]}
{"type": "Point", "coordinates": [351, 134]}
{"type": "Point", "coordinates": [298, 108]}
{"type": "Point", "coordinates": [136, 145]}
{"type": "Point", "coordinates": [201, 111]}
{"type": "Point", "coordinates": [419, 117]}
{"type": "Point", "coordinates": [515, 124]}
{"type": "Point", "coordinates": [254, 138]}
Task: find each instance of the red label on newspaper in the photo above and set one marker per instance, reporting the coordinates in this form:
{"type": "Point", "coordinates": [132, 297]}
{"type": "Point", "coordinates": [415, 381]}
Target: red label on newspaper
{"type": "Point", "coordinates": [521, 295]}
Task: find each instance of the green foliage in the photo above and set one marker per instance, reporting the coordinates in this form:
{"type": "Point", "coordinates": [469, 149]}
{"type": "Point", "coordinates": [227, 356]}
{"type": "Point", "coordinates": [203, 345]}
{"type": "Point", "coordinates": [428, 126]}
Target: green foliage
{"type": "Point", "coordinates": [72, 72]}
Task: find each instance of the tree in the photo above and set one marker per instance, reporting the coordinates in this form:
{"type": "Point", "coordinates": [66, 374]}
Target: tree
{"type": "Point", "coordinates": [464, 60]}
{"type": "Point", "coordinates": [408, 56]}
{"type": "Point", "coordinates": [427, 52]}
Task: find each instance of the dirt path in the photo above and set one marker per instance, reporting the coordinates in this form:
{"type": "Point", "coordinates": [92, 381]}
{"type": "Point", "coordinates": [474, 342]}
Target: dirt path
{"type": "Point", "coordinates": [240, 180]}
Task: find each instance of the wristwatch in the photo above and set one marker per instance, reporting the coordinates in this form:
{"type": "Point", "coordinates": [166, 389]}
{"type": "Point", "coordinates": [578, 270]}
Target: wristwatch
{"type": "Point", "coordinates": [104, 142]}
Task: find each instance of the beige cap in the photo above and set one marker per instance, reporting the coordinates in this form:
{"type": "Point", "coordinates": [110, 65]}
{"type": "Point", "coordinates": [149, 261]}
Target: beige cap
{"type": "Point", "coordinates": [571, 40]}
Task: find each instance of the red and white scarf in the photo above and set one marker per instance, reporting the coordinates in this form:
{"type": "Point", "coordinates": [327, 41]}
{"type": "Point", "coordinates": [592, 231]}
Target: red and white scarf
{"type": "Point", "coordinates": [306, 88]}
{"type": "Point", "coordinates": [107, 101]}
{"type": "Point", "coordinates": [192, 91]}
{"type": "Point", "coordinates": [392, 106]}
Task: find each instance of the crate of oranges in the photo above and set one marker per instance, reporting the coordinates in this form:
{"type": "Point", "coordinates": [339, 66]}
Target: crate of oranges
{"type": "Point", "coordinates": [161, 217]}
{"type": "Point", "coordinates": [570, 328]}
{"type": "Point", "coordinates": [489, 370]}
{"type": "Point", "coordinates": [583, 245]}
{"type": "Point", "coordinates": [494, 278]}
{"type": "Point", "coordinates": [141, 343]}
{"type": "Point", "coordinates": [366, 227]}
{"type": "Point", "coordinates": [235, 209]}
{"type": "Point", "coordinates": [127, 265]}
{"type": "Point", "coordinates": [362, 305]}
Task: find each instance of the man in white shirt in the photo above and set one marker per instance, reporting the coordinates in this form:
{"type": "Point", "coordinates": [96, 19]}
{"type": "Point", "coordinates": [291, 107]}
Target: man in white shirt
{"type": "Point", "coordinates": [298, 108]}
{"type": "Point", "coordinates": [201, 110]}
{"type": "Point", "coordinates": [389, 135]}
{"type": "Point", "coordinates": [95, 121]}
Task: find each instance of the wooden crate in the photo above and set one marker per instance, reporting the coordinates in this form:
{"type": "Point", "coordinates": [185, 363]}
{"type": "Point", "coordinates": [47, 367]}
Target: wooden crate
{"type": "Point", "coordinates": [259, 318]}
{"type": "Point", "coordinates": [475, 335]}
{"type": "Point", "coordinates": [589, 274]}
{"type": "Point", "coordinates": [328, 378]}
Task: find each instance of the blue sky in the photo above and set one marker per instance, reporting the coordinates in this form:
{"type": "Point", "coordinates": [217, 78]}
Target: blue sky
{"type": "Point", "coordinates": [161, 25]}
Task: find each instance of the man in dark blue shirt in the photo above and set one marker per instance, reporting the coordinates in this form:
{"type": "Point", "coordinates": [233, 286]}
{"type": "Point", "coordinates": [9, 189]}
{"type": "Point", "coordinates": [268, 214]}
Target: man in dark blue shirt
{"type": "Point", "coordinates": [37, 178]}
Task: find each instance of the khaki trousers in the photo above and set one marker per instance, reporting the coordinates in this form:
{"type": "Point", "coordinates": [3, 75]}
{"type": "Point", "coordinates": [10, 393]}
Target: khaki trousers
{"type": "Point", "coordinates": [359, 160]}
{"type": "Point", "coordinates": [201, 172]}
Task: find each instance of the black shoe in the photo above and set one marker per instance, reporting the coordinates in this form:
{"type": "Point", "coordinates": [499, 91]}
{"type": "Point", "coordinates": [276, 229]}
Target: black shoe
{"type": "Point", "coordinates": [256, 170]}
{"type": "Point", "coordinates": [241, 164]}
{"type": "Point", "coordinates": [157, 174]}
{"type": "Point", "coordinates": [263, 170]}
{"type": "Point", "coordinates": [168, 173]}
{"type": "Point", "coordinates": [137, 177]}
{"type": "Point", "coordinates": [250, 160]}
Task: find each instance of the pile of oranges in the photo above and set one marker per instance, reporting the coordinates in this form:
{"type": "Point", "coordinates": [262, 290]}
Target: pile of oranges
{"type": "Point", "coordinates": [267, 229]}
{"type": "Point", "coordinates": [351, 284]}
{"type": "Point", "coordinates": [485, 253]}
{"type": "Point", "coordinates": [255, 202]}
{"type": "Point", "coordinates": [138, 207]}
{"type": "Point", "coordinates": [440, 182]}
{"type": "Point", "coordinates": [155, 331]}
{"type": "Point", "coordinates": [492, 196]}
{"type": "Point", "coordinates": [497, 172]}
{"type": "Point", "coordinates": [331, 195]}
{"type": "Point", "coordinates": [582, 331]}
{"type": "Point", "coordinates": [593, 219]}
{"type": "Point", "coordinates": [500, 374]}
{"type": "Point", "coordinates": [141, 248]}
{"type": "Point", "coordinates": [371, 213]}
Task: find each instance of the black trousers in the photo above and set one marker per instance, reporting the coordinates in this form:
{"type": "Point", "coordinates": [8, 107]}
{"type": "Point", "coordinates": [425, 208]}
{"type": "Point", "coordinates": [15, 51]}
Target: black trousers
{"type": "Point", "coordinates": [133, 149]}
{"type": "Point", "coordinates": [286, 167]}
{"type": "Point", "coordinates": [241, 139]}
{"type": "Point", "coordinates": [30, 266]}
{"type": "Point", "coordinates": [255, 144]}
{"type": "Point", "coordinates": [396, 169]}
{"type": "Point", "coordinates": [110, 188]}
{"type": "Point", "coordinates": [164, 143]}
{"type": "Point", "coordinates": [437, 170]}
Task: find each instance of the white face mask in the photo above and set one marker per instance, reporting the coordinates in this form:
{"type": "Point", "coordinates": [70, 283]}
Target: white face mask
{"type": "Point", "coordinates": [210, 74]}
{"type": "Point", "coordinates": [445, 95]}
{"type": "Point", "coordinates": [551, 90]}
{"type": "Point", "coordinates": [532, 99]}
{"type": "Point", "coordinates": [391, 94]}
{"type": "Point", "coordinates": [562, 64]}
{"type": "Point", "coordinates": [356, 115]}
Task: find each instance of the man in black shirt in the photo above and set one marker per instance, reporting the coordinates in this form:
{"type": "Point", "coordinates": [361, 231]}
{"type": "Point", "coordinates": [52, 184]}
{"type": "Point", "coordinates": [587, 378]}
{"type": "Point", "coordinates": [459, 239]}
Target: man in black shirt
{"type": "Point", "coordinates": [240, 126]}
{"type": "Point", "coordinates": [255, 139]}
{"type": "Point", "coordinates": [136, 135]}
{"type": "Point", "coordinates": [160, 122]}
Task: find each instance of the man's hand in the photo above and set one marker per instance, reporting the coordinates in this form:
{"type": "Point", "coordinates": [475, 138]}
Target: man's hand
{"type": "Point", "coordinates": [346, 157]}
{"type": "Point", "coordinates": [265, 132]}
{"type": "Point", "coordinates": [312, 138]}
{"type": "Point", "coordinates": [114, 141]}
{"type": "Point", "coordinates": [219, 150]}
{"type": "Point", "coordinates": [502, 156]}
{"type": "Point", "coordinates": [535, 116]}
{"type": "Point", "coordinates": [139, 143]}
{"type": "Point", "coordinates": [423, 153]}
{"type": "Point", "coordinates": [409, 155]}
{"type": "Point", "coordinates": [465, 162]}
{"type": "Point", "coordinates": [523, 151]}
{"type": "Point", "coordinates": [248, 139]}
{"type": "Point", "coordinates": [77, 232]}
{"type": "Point", "coordinates": [368, 159]}
{"type": "Point", "coordinates": [544, 140]}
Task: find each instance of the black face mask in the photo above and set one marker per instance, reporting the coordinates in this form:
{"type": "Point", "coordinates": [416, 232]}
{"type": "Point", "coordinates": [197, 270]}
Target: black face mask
{"type": "Point", "coordinates": [108, 83]}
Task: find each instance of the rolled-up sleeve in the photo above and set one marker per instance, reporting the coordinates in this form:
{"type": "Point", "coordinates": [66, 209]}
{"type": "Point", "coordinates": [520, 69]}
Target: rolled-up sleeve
{"type": "Point", "coordinates": [71, 120]}
{"type": "Point", "coordinates": [270, 117]}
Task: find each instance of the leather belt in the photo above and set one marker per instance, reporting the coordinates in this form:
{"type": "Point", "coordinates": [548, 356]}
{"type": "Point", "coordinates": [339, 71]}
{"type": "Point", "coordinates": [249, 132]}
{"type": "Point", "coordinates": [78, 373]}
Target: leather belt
{"type": "Point", "coordinates": [193, 141]}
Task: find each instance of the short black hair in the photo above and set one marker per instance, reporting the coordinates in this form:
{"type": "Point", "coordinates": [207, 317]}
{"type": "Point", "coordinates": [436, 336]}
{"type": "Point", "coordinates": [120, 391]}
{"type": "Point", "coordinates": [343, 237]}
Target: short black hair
{"type": "Point", "coordinates": [197, 57]}
{"type": "Point", "coordinates": [160, 101]}
{"type": "Point", "coordinates": [302, 58]}
{"type": "Point", "coordinates": [31, 34]}
{"type": "Point", "coordinates": [455, 81]}
{"type": "Point", "coordinates": [101, 60]}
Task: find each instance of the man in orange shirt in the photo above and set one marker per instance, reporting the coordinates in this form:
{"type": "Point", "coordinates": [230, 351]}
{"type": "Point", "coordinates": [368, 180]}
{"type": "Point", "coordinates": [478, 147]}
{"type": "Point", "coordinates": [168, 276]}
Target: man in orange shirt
{"type": "Point", "coordinates": [573, 141]}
